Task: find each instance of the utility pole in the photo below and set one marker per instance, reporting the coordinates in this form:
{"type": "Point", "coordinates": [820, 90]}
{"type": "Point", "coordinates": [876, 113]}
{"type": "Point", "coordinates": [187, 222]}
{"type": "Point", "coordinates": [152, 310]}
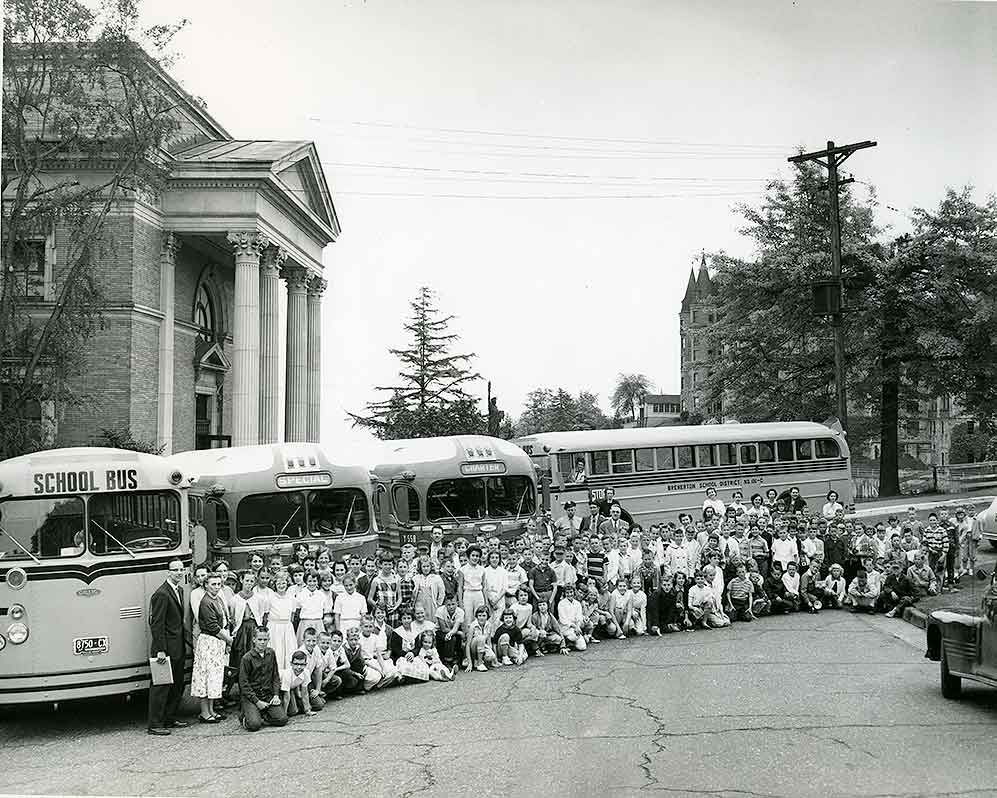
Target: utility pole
{"type": "Point", "coordinates": [831, 158]}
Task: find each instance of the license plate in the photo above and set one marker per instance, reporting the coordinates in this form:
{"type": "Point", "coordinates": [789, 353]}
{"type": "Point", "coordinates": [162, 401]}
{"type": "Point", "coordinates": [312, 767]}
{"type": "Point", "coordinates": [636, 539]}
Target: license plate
{"type": "Point", "coordinates": [85, 646]}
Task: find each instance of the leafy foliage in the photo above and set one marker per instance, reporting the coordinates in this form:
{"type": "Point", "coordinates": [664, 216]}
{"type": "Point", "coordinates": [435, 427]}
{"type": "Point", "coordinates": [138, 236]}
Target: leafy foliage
{"type": "Point", "coordinates": [85, 113]}
{"type": "Point", "coordinates": [629, 393]}
{"type": "Point", "coordinates": [550, 410]}
{"type": "Point", "coordinates": [430, 398]}
{"type": "Point", "coordinates": [920, 314]}
{"type": "Point", "coordinates": [124, 439]}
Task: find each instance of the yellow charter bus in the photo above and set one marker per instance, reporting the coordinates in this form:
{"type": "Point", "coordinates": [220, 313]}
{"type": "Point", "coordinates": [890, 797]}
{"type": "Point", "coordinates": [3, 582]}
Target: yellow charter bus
{"type": "Point", "coordinates": [658, 472]}
{"type": "Point", "coordinates": [251, 499]}
{"type": "Point", "coordinates": [86, 535]}
{"type": "Point", "coordinates": [467, 484]}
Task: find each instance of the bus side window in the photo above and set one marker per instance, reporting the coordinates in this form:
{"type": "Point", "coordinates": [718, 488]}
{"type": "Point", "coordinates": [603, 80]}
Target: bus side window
{"type": "Point", "coordinates": [766, 452]}
{"type": "Point", "coordinates": [704, 456]}
{"type": "Point", "coordinates": [216, 521]}
{"type": "Point", "coordinates": [827, 448]}
{"type": "Point", "coordinates": [664, 458]}
{"type": "Point", "coordinates": [405, 500]}
{"type": "Point", "coordinates": [645, 459]}
{"type": "Point", "coordinates": [726, 454]}
{"type": "Point", "coordinates": [623, 461]}
{"type": "Point", "coordinates": [785, 451]}
{"type": "Point", "coordinates": [749, 456]}
{"type": "Point", "coordinates": [804, 450]}
{"type": "Point", "coordinates": [685, 455]}
{"type": "Point", "coordinates": [566, 466]}
{"type": "Point", "coordinates": [600, 462]}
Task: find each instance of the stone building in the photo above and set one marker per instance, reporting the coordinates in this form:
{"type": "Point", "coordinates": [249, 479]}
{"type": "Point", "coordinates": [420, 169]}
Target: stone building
{"type": "Point", "coordinates": [696, 358]}
{"type": "Point", "coordinates": [659, 410]}
{"type": "Point", "coordinates": [192, 350]}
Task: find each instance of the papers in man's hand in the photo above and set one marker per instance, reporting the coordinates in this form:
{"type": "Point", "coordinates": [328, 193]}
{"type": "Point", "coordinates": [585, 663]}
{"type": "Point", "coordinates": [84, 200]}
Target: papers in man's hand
{"type": "Point", "coordinates": [162, 672]}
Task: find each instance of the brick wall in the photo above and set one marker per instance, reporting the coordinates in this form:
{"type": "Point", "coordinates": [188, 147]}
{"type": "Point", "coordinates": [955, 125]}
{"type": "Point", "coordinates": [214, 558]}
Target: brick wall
{"type": "Point", "coordinates": [144, 382]}
{"type": "Point", "coordinates": [147, 244]}
{"type": "Point", "coordinates": [104, 385]}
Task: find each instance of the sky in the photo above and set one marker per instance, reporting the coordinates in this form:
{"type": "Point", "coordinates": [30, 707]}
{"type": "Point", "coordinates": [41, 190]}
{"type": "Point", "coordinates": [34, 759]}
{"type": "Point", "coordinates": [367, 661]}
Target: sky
{"type": "Point", "coordinates": [554, 169]}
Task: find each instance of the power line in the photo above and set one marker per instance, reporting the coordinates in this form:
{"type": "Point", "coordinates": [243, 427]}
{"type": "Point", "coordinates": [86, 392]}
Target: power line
{"type": "Point", "coordinates": [558, 175]}
{"type": "Point", "coordinates": [512, 134]}
{"type": "Point", "coordinates": [399, 194]}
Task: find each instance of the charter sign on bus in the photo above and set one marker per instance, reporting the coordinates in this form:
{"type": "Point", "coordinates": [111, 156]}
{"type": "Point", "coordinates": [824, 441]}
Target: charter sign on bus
{"type": "Point", "coordinates": [58, 482]}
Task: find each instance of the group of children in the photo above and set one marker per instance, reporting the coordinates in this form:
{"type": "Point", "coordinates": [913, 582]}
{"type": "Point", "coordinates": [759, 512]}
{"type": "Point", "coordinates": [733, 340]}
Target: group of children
{"type": "Point", "coordinates": [347, 627]}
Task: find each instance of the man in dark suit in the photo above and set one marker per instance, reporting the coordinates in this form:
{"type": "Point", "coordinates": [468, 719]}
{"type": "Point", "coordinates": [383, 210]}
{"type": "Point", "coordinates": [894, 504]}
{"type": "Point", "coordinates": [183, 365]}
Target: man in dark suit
{"type": "Point", "coordinates": [166, 622]}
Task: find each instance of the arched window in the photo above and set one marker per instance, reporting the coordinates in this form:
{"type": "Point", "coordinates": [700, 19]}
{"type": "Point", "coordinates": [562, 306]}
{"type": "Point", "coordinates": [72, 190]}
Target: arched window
{"type": "Point", "coordinates": [204, 311]}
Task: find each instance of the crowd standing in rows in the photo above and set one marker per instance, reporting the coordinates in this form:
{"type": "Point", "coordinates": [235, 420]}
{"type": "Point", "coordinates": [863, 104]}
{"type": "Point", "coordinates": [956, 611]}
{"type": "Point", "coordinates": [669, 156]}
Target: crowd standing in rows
{"type": "Point", "coordinates": [284, 638]}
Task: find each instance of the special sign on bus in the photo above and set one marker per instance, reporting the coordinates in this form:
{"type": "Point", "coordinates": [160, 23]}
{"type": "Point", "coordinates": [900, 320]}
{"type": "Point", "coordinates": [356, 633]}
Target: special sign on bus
{"type": "Point", "coordinates": [85, 481]}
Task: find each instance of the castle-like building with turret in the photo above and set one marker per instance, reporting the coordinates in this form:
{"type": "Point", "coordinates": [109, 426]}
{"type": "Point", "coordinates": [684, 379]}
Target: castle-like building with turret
{"type": "Point", "coordinates": [697, 356]}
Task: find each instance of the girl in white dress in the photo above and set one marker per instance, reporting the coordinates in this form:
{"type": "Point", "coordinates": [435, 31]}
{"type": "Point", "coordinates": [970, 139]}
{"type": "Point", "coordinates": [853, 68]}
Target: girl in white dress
{"type": "Point", "coordinates": [377, 660]}
{"type": "Point", "coordinates": [404, 648]}
{"type": "Point", "coordinates": [494, 583]}
{"type": "Point", "coordinates": [282, 638]}
{"type": "Point", "coordinates": [438, 672]}
{"type": "Point", "coordinates": [429, 588]}
{"type": "Point", "coordinates": [639, 607]}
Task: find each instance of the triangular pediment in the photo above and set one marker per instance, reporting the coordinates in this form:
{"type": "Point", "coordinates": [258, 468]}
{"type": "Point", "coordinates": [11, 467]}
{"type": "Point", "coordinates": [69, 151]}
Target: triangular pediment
{"type": "Point", "coordinates": [210, 356]}
{"type": "Point", "coordinates": [302, 175]}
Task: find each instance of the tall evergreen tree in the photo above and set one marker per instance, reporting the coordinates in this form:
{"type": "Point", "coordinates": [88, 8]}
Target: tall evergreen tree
{"type": "Point", "coordinates": [430, 398]}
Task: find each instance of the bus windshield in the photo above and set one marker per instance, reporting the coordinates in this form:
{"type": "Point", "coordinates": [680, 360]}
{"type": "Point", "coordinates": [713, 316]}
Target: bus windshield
{"type": "Point", "coordinates": [474, 498]}
{"type": "Point", "coordinates": [274, 517]}
{"type": "Point", "coordinates": [123, 523]}
{"type": "Point", "coordinates": [42, 528]}
{"type": "Point", "coordinates": [338, 511]}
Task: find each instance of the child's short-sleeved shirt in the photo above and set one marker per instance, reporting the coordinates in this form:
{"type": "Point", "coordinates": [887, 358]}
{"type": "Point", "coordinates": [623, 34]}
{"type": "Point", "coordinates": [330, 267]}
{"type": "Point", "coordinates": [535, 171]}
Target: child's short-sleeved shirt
{"type": "Point", "coordinates": [445, 620]}
{"type": "Point", "coordinates": [311, 603]}
{"type": "Point", "coordinates": [544, 578]}
{"type": "Point", "coordinates": [351, 607]}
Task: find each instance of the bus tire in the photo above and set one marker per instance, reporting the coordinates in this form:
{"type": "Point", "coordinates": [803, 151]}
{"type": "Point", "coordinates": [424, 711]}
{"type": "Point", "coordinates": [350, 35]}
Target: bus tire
{"type": "Point", "coordinates": [951, 685]}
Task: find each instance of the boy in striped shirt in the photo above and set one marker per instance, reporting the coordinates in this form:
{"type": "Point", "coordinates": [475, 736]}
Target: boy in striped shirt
{"type": "Point", "coordinates": [740, 593]}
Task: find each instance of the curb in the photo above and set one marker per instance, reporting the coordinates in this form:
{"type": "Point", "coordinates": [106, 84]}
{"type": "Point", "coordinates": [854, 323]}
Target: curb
{"type": "Point", "coordinates": [915, 617]}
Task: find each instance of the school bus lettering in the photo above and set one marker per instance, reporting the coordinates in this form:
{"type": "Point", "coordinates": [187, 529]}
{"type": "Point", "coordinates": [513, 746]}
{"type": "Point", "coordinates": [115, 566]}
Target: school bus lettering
{"type": "Point", "coordinates": [122, 479]}
{"type": "Point", "coordinates": [57, 482]}
{"type": "Point", "coordinates": [65, 482]}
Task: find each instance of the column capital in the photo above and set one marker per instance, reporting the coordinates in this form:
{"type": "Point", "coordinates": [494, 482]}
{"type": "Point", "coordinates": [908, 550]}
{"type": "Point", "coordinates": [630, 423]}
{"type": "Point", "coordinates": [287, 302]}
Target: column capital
{"type": "Point", "coordinates": [317, 286]}
{"type": "Point", "coordinates": [297, 279]}
{"type": "Point", "coordinates": [247, 243]}
{"type": "Point", "coordinates": [272, 260]}
{"type": "Point", "coordinates": [171, 244]}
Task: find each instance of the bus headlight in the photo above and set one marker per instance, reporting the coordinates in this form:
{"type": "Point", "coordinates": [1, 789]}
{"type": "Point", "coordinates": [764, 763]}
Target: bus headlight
{"type": "Point", "coordinates": [16, 578]}
{"type": "Point", "coordinates": [17, 633]}
{"type": "Point", "coordinates": [16, 612]}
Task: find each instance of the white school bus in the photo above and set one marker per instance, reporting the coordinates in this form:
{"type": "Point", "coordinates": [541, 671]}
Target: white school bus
{"type": "Point", "coordinates": [86, 536]}
{"type": "Point", "coordinates": [253, 499]}
{"type": "Point", "coordinates": [467, 484]}
{"type": "Point", "coordinates": [658, 472]}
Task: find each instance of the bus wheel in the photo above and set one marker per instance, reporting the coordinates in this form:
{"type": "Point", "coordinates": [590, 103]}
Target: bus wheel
{"type": "Point", "coordinates": [951, 685]}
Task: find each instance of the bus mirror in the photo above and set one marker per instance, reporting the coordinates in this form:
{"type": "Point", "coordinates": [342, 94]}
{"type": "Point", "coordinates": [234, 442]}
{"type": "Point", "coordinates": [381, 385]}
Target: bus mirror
{"type": "Point", "coordinates": [199, 543]}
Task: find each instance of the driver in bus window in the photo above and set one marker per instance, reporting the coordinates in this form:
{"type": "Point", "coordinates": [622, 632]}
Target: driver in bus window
{"type": "Point", "coordinates": [77, 547]}
{"type": "Point", "coordinates": [578, 475]}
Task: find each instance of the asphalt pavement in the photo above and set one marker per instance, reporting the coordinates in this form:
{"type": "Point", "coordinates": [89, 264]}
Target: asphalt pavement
{"type": "Point", "coordinates": [827, 705]}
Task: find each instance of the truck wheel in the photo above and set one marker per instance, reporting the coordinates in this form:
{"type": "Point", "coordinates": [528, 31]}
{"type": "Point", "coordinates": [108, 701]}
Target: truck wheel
{"type": "Point", "coordinates": [951, 685]}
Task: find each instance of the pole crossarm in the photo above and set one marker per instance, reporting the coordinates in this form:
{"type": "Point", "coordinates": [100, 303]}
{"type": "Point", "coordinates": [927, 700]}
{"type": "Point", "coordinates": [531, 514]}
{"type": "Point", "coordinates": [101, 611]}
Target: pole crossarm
{"type": "Point", "coordinates": [830, 152]}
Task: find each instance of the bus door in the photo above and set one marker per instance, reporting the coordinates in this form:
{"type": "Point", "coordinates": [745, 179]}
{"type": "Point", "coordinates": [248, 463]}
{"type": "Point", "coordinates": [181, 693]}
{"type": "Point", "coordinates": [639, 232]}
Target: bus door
{"type": "Point", "coordinates": [406, 511]}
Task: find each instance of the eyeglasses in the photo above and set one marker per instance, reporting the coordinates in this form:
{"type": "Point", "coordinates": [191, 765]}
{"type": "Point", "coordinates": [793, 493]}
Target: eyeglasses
{"type": "Point", "coordinates": [177, 570]}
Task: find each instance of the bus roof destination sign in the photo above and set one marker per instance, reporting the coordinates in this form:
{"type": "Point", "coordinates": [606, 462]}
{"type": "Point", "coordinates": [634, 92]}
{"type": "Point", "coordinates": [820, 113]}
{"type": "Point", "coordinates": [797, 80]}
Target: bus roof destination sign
{"type": "Point", "coordinates": [320, 479]}
{"type": "Point", "coordinates": [481, 469]}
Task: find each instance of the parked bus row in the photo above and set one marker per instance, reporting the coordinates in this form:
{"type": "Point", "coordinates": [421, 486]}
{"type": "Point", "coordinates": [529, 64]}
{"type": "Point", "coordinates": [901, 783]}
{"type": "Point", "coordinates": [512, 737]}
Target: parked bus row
{"type": "Point", "coordinates": [86, 533]}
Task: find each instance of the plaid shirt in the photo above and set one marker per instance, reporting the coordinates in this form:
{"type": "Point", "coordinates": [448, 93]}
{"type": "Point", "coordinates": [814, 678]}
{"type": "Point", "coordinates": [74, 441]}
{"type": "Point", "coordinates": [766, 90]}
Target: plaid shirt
{"type": "Point", "coordinates": [406, 588]}
{"type": "Point", "coordinates": [936, 539]}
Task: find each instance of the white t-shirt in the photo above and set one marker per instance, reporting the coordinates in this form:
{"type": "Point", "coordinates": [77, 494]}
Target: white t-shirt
{"type": "Point", "coordinates": [351, 607]}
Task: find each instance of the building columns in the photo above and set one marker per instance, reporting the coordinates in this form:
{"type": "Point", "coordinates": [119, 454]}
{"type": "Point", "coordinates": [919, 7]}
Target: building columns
{"type": "Point", "coordinates": [272, 262]}
{"type": "Point", "coordinates": [167, 301]}
{"type": "Point", "coordinates": [316, 287]}
{"type": "Point", "coordinates": [247, 247]}
{"type": "Point", "coordinates": [296, 377]}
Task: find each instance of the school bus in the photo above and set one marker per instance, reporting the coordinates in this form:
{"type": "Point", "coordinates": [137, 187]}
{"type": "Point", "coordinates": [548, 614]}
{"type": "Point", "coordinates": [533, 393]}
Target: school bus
{"type": "Point", "coordinates": [658, 472]}
{"type": "Point", "coordinates": [467, 484]}
{"type": "Point", "coordinates": [86, 536]}
{"type": "Point", "coordinates": [251, 499]}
